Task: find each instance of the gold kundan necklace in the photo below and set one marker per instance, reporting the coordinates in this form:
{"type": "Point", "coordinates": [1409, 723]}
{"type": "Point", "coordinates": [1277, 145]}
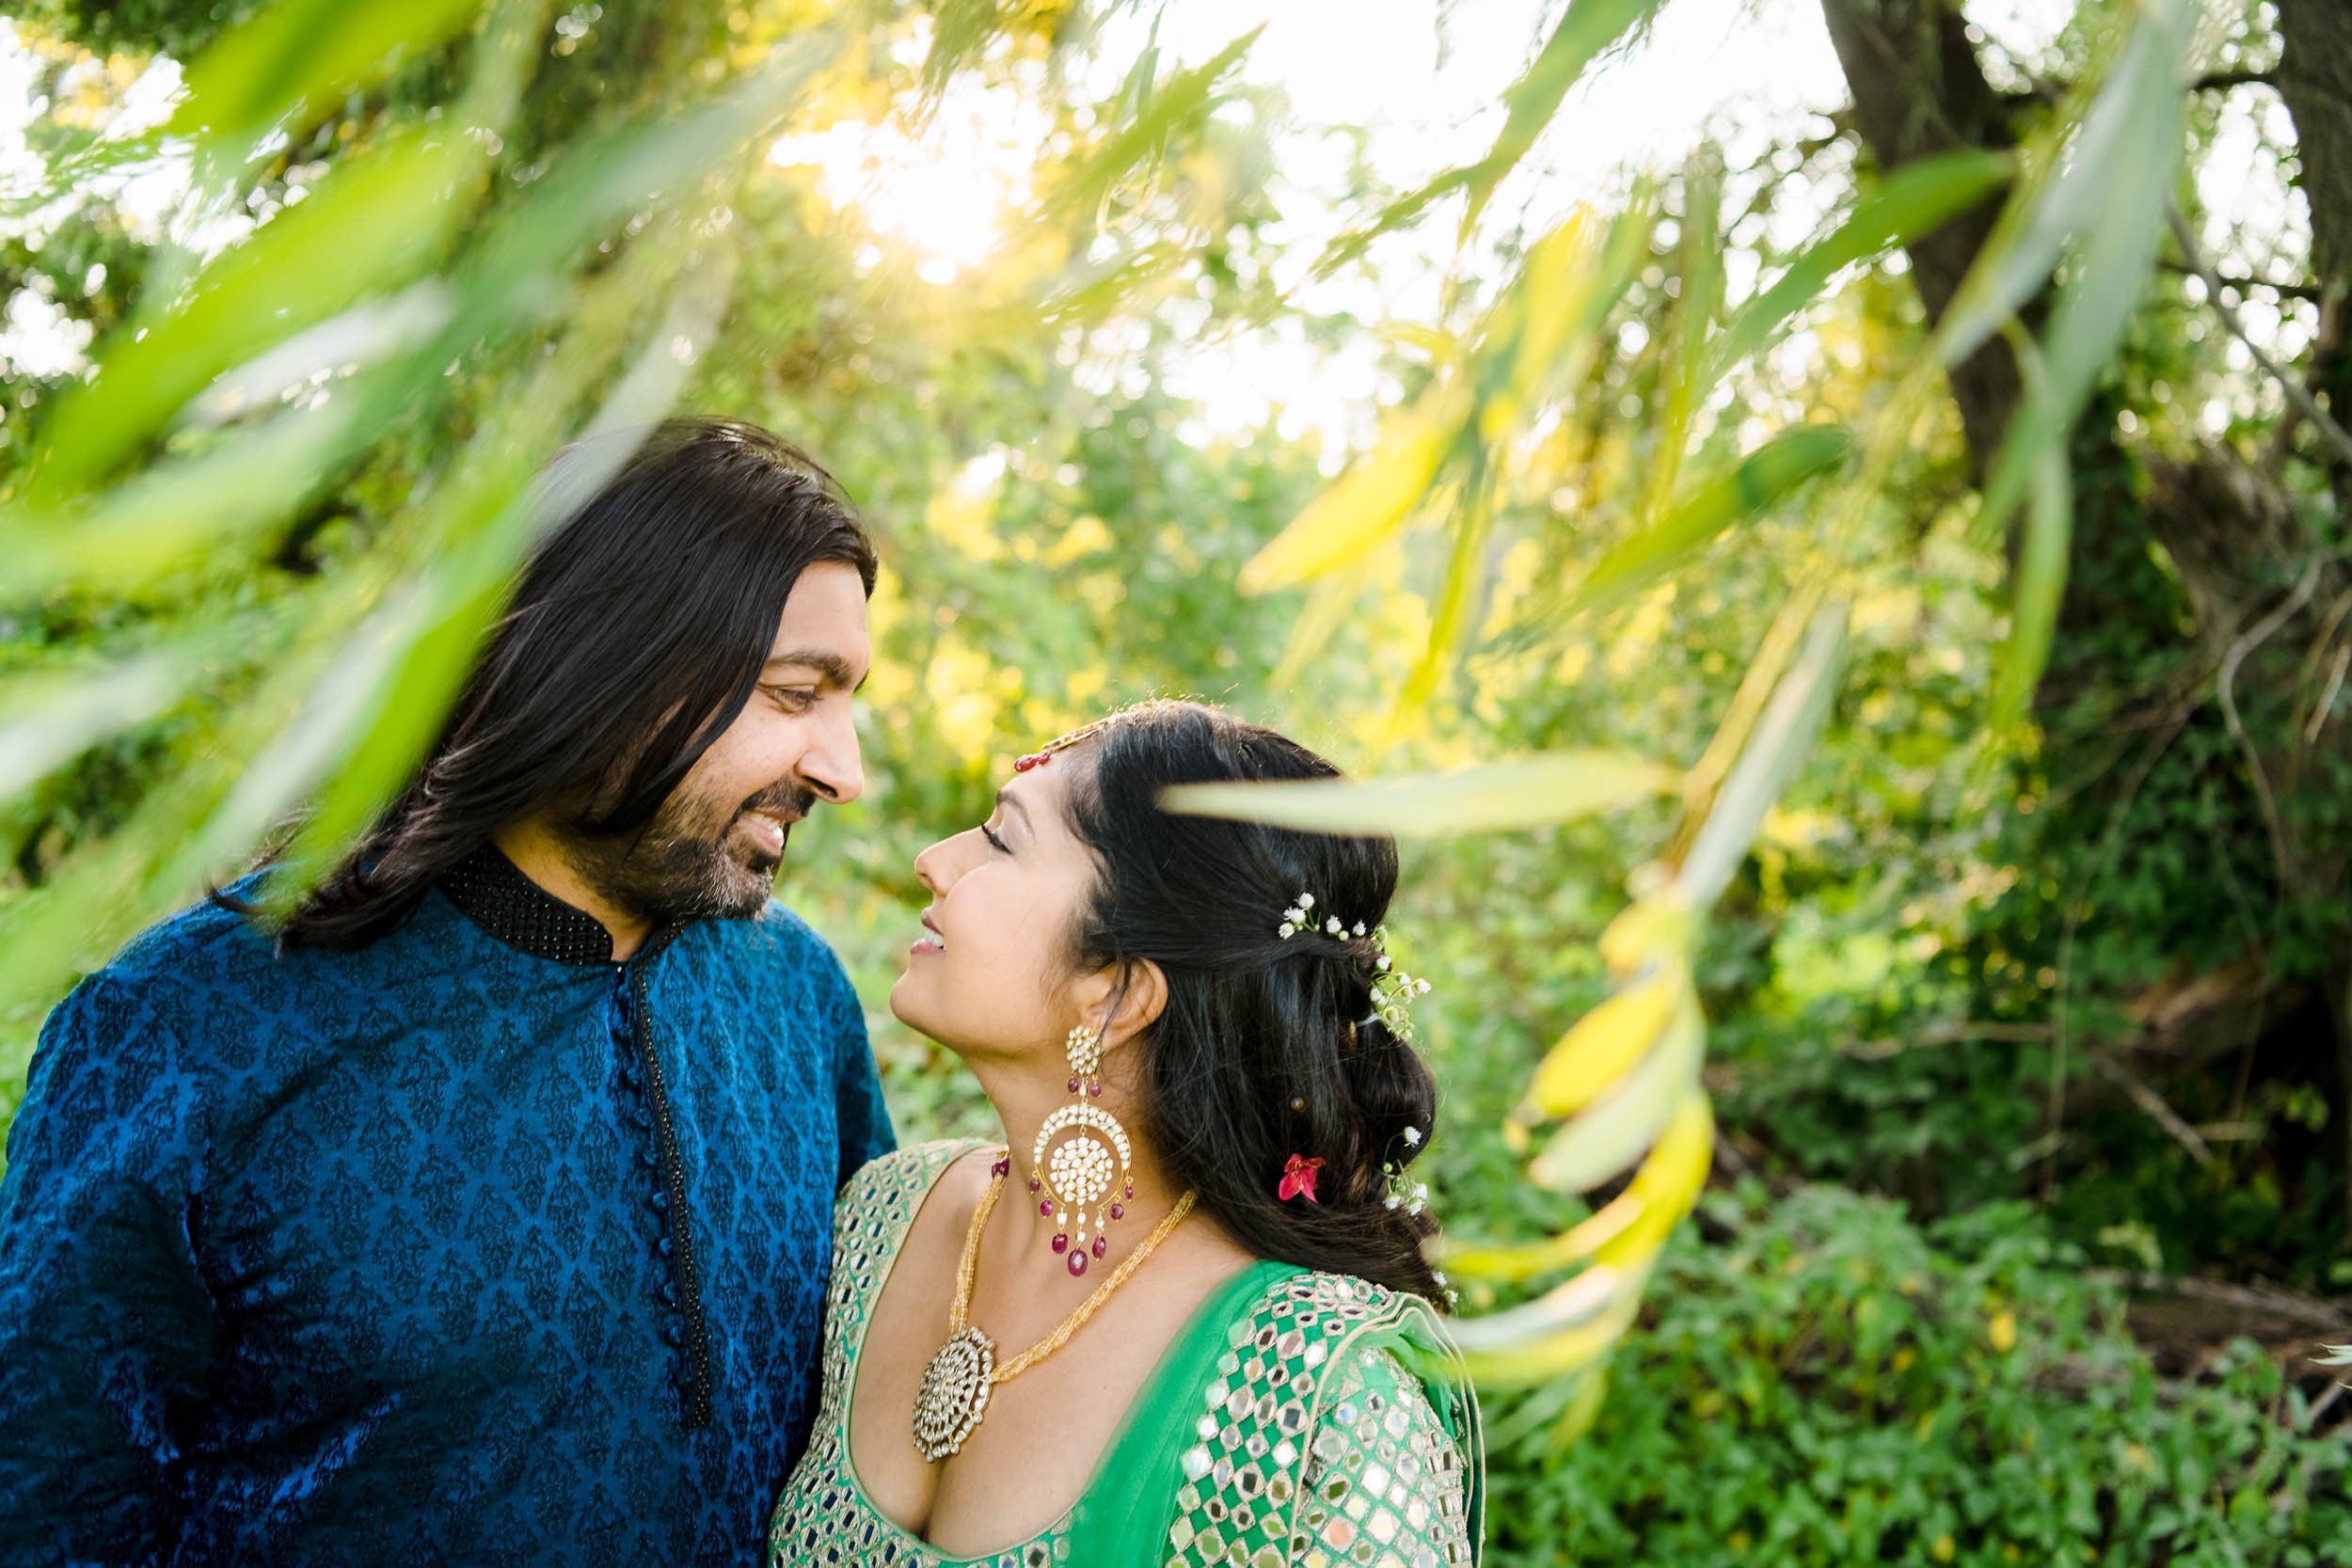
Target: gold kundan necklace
{"type": "Point", "coordinates": [954, 1393]}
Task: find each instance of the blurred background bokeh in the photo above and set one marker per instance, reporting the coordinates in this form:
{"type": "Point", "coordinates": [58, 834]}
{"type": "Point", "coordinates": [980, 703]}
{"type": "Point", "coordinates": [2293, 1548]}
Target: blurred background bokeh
{"type": "Point", "coordinates": [1826, 518]}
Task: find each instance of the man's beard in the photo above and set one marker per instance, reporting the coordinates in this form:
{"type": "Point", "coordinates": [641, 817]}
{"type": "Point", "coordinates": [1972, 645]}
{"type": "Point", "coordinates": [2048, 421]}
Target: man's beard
{"type": "Point", "coordinates": [687, 863]}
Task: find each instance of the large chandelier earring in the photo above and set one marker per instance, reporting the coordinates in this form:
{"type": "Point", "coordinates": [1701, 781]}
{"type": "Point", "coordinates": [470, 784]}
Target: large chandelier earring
{"type": "Point", "coordinates": [1083, 1177]}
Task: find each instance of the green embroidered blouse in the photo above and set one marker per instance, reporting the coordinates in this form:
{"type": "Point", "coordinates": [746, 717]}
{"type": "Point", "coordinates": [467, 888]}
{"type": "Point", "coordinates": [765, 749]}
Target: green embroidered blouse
{"type": "Point", "coordinates": [1299, 1418]}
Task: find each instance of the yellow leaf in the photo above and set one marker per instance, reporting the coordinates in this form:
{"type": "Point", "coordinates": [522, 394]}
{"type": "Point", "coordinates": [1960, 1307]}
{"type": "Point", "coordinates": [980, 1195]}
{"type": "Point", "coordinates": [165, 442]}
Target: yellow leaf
{"type": "Point", "coordinates": [1657, 925]}
{"type": "Point", "coordinates": [2003, 1332]}
{"type": "Point", "coordinates": [1364, 507]}
{"type": "Point", "coordinates": [1633, 1225]}
{"type": "Point", "coordinates": [1498, 1350]}
{"type": "Point", "coordinates": [1623, 1124]}
{"type": "Point", "coordinates": [1595, 1053]}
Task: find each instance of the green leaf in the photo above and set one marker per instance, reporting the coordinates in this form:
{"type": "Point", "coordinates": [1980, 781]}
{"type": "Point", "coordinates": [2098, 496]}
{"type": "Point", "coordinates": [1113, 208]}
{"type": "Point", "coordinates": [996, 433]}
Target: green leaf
{"type": "Point", "coordinates": [1587, 28]}
{"type": "Point", "coordinates": [2091, 167]}
{"type": "Point", "coordinates": [2134, 137]}
{"type": "Point", "coordinates": [1185, 101]}
{"type": "Point", "coordinates": [53, 718]}
{"type": "Point", "coordinates": [1523, 792]}
{"type": "Point", "coordinates": [1783, 732]}
{"type": "Point", "coordinates": [2039, 585]}
{"type": "Point", "coordinates": [374, 221]}
{"type": "Point", "coordinates": [302, 54]}
{"type": "Point", "coordinates": [1365, 506]}
{"type": "Point", "coordinates": [1683, 373]}
{"type": "Point", "coordinates": [1546, 331]}
{"type": "Point", "coordinates": [1744, 489]}
{"type": "Point", "coordinates": [1457, 593]}
{"type": "Point", "coordinates": [177, 513]}
{"type": "Point", "coordinates": [1914, 201]}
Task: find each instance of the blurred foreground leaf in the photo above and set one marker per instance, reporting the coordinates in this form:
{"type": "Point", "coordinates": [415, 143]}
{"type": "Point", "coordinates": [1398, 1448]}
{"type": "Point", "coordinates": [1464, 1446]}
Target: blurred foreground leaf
{"type": "Point", "coordinates": [1524, 792]}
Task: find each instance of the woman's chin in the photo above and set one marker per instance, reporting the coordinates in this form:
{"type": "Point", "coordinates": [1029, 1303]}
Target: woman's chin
{"type": "Point", "coordinates": [906, 1000]}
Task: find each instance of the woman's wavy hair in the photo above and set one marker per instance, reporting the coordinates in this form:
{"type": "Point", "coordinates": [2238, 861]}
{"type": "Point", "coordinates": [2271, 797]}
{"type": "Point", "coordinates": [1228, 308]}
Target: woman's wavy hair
{"type": "Point", "coordinates": [1268, 1046]}
{"type": "Point", "coordinates": [636, 633]}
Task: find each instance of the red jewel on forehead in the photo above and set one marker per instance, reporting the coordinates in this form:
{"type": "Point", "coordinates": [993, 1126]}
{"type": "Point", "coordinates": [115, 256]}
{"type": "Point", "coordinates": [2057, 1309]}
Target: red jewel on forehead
{"type": "Point", "coordinates": [1034, 759]}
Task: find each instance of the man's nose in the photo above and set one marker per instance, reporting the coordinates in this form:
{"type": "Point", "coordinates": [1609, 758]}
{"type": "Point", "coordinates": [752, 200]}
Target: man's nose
{"type": "Point", "coordinates": [832, 767]}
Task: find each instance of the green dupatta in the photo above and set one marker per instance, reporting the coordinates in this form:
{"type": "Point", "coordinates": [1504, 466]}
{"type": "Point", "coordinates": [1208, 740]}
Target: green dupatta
{"type": "Point", "coordinates": [1297, 1418]}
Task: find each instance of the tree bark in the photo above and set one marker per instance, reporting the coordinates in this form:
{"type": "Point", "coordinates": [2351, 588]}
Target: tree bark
{"type": "Point", "coordinates": [2262, 596]}
{"type": "Point", "coordinates": [1918, 91]}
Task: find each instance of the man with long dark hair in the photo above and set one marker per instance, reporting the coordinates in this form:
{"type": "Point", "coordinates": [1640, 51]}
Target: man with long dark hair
{"type": "Point", "coordinates": [478, 1212]}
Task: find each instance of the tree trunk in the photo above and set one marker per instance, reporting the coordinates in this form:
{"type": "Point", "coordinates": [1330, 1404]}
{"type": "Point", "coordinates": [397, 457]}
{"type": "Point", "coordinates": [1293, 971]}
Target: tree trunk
{"type": "Point", "coordinates": [2261, 594]}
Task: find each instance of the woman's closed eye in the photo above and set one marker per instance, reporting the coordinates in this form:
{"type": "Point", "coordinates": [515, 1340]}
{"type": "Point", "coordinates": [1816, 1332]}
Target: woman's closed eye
{"type": "Point", "coordinates": [994, 843]}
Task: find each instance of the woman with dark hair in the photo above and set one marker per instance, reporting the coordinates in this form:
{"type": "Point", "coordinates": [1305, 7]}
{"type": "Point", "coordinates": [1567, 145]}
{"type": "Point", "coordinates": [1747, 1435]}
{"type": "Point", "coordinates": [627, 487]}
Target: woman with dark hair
{"type": "Point", "coordinates": [1182, 1314]}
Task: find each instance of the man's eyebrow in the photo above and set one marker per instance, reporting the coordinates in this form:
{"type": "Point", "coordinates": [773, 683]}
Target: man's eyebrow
{"type": "Point", "coordinates": [1007, 798]}
{"type": "Point", "coordinates": [829, 666]}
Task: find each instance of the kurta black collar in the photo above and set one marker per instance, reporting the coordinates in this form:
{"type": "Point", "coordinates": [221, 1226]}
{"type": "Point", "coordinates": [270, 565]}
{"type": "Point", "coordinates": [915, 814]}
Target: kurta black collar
{"type": "Point", "coordinates": [495, 894]}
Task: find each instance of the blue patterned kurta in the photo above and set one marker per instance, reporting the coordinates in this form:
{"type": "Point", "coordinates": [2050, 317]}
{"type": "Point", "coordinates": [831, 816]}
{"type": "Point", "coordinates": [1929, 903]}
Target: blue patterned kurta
{"type": "Point", "coordinates": [336, 1257]}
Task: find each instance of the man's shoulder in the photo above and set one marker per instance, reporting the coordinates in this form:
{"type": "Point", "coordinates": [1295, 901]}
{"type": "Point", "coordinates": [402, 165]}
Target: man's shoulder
{"type": "Point", "coordinates": [778, 936]}
{"type": "Point", "coordinates": [205, 945]}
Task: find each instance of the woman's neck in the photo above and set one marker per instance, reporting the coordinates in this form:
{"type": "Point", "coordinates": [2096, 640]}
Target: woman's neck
{"type": "Point", "coordinates": [1024, 1219]}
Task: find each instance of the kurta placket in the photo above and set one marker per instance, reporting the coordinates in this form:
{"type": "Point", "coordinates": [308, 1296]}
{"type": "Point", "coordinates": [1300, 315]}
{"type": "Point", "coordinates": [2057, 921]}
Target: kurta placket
{"type": "Point", "coordinates": [657, 1153]}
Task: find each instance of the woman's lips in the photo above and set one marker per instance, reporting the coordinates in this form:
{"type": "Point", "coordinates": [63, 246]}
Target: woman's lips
{"type": "Point", "coordinates": [930, 940]}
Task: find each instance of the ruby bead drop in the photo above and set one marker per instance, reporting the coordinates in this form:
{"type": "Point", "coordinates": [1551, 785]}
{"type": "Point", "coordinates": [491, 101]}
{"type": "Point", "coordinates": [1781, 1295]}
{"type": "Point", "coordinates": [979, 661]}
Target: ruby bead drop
{"type": "Point", "coordinates": [1095, 1089]}
{"type": "Point", "coordinates": [1046, 1208]}
{"type": "Point", "coordinates": [1002, 1167]}
{"type": "Point", "coordinates": [1074, 1086]}
{"type": "Point", "coordinates": [1061, 1244]}
{"type": "Point", "coordinates": [1119, 1210]}
{"type": "Point", "coordinates": [1035, 1184]}
{"type": "Point", "coordinates": [1077, 1264]}
{"type": "Point", "coordinates": [1101, 1246]}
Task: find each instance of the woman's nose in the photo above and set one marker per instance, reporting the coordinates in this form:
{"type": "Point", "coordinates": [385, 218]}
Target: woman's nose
{"type": "Point", "coordinates": [928, 868]}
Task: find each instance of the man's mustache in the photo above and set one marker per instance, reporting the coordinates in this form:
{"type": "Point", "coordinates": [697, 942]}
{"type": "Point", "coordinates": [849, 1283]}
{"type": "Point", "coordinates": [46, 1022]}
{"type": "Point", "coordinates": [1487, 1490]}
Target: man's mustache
{"type": "Point", "coordinates": [790, 801]}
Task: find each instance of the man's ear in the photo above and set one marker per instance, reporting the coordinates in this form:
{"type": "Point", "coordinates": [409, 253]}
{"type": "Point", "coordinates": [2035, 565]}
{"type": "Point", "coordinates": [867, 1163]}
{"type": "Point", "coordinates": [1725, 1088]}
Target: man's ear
{"type": "Point", "coordinates": [1136, 996]}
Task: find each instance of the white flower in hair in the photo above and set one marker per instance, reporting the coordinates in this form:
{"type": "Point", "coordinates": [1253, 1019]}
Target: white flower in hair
{"type": "Point", "coordinates": [1412, 1137]}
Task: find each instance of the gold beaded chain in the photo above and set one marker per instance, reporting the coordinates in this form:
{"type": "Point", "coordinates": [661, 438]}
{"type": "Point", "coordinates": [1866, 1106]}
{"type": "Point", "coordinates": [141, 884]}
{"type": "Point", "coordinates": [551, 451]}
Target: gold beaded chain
{"type": "Point", "coordinates": [959, 1312]}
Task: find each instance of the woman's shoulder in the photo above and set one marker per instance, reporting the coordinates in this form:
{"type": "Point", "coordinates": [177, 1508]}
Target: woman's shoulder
{"type": "Point", "coordinates": [1326, 1379]}
{"type": "Point", "coordinates": [901, 1179]}
{"type": "Point", "coordinates": [1319, 1307]}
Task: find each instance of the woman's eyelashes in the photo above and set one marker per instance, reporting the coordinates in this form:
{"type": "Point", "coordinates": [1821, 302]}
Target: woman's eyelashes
{"type": "Point", "coordinates": [994, 843]}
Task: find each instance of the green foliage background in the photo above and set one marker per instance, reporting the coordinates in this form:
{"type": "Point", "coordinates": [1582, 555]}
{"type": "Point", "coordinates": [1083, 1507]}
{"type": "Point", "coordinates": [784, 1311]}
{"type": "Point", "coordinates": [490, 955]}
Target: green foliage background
{"type": "Point", "coordinates": [1897, 1329]}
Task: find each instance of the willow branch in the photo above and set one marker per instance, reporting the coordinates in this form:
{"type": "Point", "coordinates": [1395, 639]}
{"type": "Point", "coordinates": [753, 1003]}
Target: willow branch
{"type": "Point", "coordinates": [2297, 394]}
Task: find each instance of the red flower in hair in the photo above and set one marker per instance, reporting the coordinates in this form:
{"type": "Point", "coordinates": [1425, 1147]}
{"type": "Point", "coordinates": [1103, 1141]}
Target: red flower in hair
{"type": "Point", "coordinates": [1298, 1176]}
